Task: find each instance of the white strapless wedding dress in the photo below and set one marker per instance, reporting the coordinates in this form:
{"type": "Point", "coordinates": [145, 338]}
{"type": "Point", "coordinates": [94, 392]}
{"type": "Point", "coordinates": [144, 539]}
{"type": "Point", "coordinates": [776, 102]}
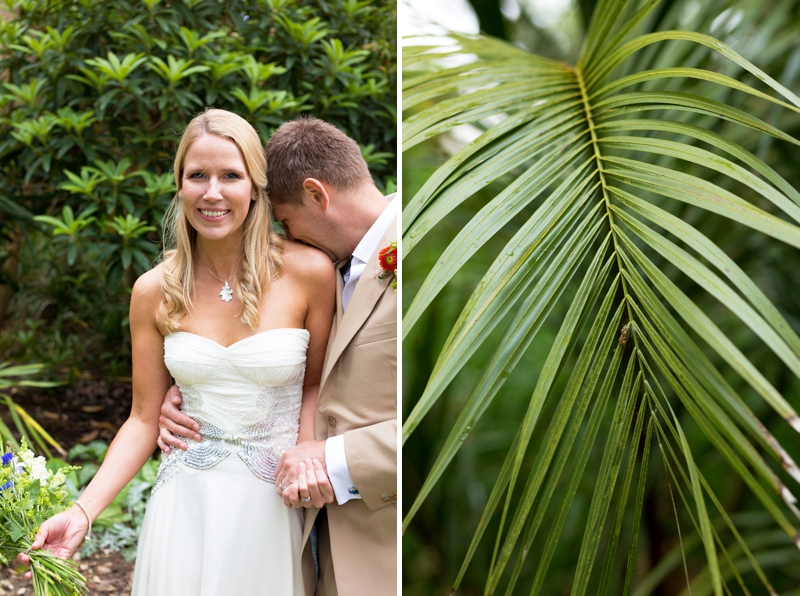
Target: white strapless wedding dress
{"type": "Point", "coordinates": [215, 525]}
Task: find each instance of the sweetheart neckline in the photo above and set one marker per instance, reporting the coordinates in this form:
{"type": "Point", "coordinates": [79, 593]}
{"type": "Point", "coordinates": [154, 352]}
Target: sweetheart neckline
{"type": "Point", "coordinates": [238, 341]}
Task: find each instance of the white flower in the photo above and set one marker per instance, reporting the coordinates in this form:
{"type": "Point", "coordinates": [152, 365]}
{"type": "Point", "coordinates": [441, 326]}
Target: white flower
{"type": "Point", "coordinates": [39, 470]}
{"type": "Point", "coordinates": [58, 480]}
{"type": "Point", "coordinates": [26, 457]}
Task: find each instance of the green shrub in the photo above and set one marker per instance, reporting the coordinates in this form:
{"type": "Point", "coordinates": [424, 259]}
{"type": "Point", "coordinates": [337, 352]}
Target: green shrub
{"type": "Point", "coordinates": [94, 95]}
{"type": "Point", "coordinates": [118, 526]}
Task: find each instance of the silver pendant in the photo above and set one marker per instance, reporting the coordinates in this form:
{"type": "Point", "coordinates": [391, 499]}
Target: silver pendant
{"type": "Point", "coordinates": [226, 293]}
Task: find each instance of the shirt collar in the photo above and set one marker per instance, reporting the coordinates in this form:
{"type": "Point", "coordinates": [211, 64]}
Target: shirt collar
{"type": "Point", "coordinates": [370, 241]}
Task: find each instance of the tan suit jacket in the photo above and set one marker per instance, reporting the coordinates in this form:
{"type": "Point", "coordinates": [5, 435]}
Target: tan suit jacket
{"type": "Point", "coordinates": [358, 398]}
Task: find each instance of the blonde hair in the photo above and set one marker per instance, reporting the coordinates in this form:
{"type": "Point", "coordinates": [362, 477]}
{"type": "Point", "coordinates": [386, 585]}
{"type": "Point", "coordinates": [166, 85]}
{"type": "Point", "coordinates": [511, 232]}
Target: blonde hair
{"type": "Point", "coordinates": [261, 262]}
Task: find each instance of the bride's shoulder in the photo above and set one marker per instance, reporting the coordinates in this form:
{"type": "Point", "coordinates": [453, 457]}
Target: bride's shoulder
{"type": "Point", "coordinates": [306, 263]}
{"type": "Point", "coordinates": [147, 289]}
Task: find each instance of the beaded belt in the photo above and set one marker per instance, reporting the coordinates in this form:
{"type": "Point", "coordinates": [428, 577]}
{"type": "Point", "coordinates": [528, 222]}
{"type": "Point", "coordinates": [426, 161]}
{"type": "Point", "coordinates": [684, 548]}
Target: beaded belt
{"type": "Point", "coordinates": [259, 438]}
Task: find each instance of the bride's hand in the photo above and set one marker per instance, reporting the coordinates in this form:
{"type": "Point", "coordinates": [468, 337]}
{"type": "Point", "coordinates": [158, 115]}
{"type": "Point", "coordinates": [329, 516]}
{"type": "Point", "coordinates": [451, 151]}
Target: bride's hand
{"type": "Point", "coordinates": [61, 535]}
{"type": "Point", "coordinates": [286, 470]}
{"type": "Point", "coordinates": [312, 489]}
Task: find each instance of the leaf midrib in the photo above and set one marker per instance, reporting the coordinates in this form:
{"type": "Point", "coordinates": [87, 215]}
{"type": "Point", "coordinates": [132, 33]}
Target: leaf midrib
{"type": "Point", "coordinates": [603, 184]}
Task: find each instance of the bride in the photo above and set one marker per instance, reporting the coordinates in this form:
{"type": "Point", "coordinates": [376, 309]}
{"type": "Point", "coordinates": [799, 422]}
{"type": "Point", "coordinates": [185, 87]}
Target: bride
{"type": "Point", "coordinates": [240, 318]}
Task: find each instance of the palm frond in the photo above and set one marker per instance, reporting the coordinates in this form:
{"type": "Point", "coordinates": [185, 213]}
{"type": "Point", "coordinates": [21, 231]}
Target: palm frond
{"type": "Point", "coordinates": [613, 217]}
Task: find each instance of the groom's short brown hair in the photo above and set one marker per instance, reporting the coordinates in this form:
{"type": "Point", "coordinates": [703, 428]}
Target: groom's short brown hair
{"type": "Point", "coordinates": [311, 148]}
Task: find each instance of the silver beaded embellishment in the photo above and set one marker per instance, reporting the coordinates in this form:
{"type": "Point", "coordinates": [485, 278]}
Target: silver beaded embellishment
{"type": "Point", "coordinates": [259, 438]}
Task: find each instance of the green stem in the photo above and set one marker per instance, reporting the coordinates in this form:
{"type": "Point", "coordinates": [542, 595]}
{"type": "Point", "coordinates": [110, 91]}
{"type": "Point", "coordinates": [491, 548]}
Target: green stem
{"type": "Point", "coordinates": [606, 199]}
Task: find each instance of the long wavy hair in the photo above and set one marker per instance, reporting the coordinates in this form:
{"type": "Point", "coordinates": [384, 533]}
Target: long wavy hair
{"type": "Point", "coordinates": [261, 263]}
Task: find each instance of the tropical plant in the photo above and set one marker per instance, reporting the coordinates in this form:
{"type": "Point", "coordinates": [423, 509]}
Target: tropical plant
{"type": "Point", "coordinates": [25, 424]}
{"type": "Point", "coordinates": [617, 204]}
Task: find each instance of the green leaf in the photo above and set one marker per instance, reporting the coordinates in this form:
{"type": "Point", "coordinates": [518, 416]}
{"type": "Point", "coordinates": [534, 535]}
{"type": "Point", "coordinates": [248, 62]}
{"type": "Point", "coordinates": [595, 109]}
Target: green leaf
{"type": "Point", "coordinates": [695, 191]}
{"type": "Point", "coordinates": [441, 194]}
{"type": "Point", "coordinates": [15, 533]}
{"type": "Point", "coordinates": [477, 322]}
{"type": "Point", "coordinates": [561, 160]}
{"type": "Point", "coordinates": [491, 218]}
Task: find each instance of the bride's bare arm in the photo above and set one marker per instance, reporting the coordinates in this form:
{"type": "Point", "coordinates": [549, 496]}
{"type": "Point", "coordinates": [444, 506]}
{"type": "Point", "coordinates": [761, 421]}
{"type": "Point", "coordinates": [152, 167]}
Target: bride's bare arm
{"type": "Point", "coordinates": [301, 471]}
{"type": "Point", "coordinates": [319, 285]}
{"type": "Point", "coordinates": [308, 413]}
{"type": "Point", "coordinates": [136, 440]}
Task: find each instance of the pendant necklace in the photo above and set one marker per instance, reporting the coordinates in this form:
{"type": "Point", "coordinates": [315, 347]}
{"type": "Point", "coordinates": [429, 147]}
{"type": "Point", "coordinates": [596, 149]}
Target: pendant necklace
{"type": "Point", "coordinates": [226, 293]}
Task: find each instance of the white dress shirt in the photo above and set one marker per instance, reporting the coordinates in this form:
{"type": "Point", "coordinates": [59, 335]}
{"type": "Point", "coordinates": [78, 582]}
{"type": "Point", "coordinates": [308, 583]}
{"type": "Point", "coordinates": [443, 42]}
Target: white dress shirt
{"type": "Point", "coordinates": [365, 249]}
{"type": "Point", "coordinates": [335, 459]}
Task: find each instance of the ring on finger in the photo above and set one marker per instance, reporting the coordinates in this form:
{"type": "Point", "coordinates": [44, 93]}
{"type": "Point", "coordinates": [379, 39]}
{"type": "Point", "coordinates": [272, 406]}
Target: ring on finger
{"type": "Point", "coordinates": [306, 500]}
{"type": "Point", "coordinates": [280, 486]}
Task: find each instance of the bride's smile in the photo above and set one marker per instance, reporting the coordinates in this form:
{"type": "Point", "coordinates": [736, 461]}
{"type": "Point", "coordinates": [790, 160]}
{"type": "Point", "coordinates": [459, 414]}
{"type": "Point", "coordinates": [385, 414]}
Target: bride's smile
{"type": "Point", "coordinates": [233, 505]}
{"type": "Point", "coordinates": [216, 188]}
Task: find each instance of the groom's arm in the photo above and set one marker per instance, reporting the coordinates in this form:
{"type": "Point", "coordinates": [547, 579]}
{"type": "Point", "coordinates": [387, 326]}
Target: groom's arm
{"type": "Point", "coordinates": [371, 453]}
{"type": "Point", "coordinates": [366, 464]}
{"type": "Point", "coordinates": [173, 422]}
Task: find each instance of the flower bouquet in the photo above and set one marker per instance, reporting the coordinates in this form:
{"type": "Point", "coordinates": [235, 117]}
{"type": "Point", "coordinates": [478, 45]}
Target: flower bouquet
{"type": "Point", "coordinates": [29, 495]}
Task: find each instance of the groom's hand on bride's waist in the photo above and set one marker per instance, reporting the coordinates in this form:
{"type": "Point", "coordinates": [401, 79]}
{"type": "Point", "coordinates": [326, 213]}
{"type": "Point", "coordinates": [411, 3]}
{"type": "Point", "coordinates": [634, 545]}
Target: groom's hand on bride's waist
{"type": "Point", "coordinates": [300, 472]}
{"type": "Point", "coordinates": [173, 422]}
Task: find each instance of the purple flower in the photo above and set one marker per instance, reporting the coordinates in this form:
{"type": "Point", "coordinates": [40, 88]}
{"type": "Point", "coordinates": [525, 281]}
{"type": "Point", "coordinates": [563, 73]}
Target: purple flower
{"type": "Point", "coordinates": [5, 486]}
{"type": "Point", "coordinates": [7, 457]}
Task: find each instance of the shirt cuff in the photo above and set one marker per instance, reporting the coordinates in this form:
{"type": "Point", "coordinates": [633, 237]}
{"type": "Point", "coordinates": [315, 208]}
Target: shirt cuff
{"type": "Point", "coordinates": [338, 471]}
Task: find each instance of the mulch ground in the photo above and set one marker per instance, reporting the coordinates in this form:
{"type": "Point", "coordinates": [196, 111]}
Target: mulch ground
{"type": "Point", "coordinates": [87, 410]}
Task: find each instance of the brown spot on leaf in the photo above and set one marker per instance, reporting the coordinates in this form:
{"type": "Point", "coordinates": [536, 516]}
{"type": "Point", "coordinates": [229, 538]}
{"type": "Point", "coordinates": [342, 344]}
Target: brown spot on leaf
{"type": "Point", "coordinates": [623, 335]}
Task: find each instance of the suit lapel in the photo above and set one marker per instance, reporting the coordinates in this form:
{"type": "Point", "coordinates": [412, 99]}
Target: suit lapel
{"type": "Point", "coordinates": [367, 293]}
{"type": "Point", "coordinates": [339, 290]}
{"type": "Point", "coordinates": [337, 319]}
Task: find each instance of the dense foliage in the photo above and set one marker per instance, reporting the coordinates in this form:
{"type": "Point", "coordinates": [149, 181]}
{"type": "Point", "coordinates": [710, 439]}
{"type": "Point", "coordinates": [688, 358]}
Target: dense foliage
{"type": "Point", "coordinates": [93, 98]}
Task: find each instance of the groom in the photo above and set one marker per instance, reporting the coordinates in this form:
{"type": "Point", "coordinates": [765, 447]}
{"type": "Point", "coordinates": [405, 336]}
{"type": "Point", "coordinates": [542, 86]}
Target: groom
{"type": "Point", "coordinates": [323, 194]}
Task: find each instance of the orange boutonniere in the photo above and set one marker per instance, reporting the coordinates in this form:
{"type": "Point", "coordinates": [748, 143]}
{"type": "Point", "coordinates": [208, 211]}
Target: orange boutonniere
{"type": "Point", "coordinates": [387, 259]}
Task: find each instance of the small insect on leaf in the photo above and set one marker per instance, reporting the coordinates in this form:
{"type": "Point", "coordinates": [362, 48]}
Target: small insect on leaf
{"type": "Point", "coordinates": [623, 335]}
